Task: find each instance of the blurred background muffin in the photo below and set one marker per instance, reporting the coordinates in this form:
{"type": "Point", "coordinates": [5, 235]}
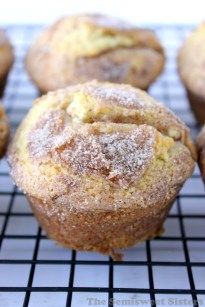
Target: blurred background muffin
{"type": "Point", "coordinates": [6, 59]}
{"type": "Point", "coordinates": [191, 66]}
{"type": "Point", "coordinates": [84, 47]}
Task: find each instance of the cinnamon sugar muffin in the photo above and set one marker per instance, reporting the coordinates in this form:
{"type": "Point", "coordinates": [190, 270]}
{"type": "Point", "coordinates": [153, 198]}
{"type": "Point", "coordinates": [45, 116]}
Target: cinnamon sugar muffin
{"type": "Point", "coordinates": [191, 65]}
{"type": "Point", "coordinates": [101, 164]}
{"type": "Point", "coordinates": [84, 47]}
{"type": "Point", "coordinates": [6, 60]}
{"type": "Point", "coordinates": [4, 131]}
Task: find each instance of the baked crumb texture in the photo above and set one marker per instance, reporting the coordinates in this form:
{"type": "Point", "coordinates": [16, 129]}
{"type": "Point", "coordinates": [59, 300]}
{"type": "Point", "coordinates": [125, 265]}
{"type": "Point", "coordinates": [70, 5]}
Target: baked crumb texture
{"type": "Point", "coordinates": [4, 131]}
{"type": "Point", "coordinates": [84, 47]}
{"type": "Point", "coordinates": [6, 60]}
{"type": "Point", "coordinates": [191, 66]}
{"type": "Point", "coordinates": [101, 164]}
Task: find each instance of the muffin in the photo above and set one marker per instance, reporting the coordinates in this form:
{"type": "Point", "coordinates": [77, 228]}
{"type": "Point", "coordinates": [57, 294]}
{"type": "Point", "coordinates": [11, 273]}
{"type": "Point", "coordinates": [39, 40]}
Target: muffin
{"type": "Point", "coordinates": [4, 131]}
{"type": "Point", "coordinates": [191, 65]}
{"type": "Point", "coordinates": [80, 48]}
{"type": "Point", "coordinates": [6, 60]}
{"type": "Point", "coordinates": [101, 165]}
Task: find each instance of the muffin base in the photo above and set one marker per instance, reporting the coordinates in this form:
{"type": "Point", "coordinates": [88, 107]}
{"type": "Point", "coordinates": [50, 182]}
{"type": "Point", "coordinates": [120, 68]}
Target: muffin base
{"type": "Point", "coordinates": [197, 104]}
{"type": "Point", "coordinates": [100, 231]}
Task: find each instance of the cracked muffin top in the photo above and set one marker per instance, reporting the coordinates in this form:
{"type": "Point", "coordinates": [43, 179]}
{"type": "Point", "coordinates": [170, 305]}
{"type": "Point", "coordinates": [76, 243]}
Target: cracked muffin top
{"type": "Point", "coordinates": [101, 144]}
{"type": "Point", "coordinates": [85, 47]}
{"type": "Point", "coordinates": [91, 35]}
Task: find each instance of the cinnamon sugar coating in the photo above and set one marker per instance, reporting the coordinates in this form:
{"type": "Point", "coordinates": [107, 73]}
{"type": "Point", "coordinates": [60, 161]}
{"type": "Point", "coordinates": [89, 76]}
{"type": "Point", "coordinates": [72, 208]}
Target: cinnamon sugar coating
{"type": "Point", "coordinates": [4, 131]}
{"type": "Point", "coordinates": [80, 48]}
{"type": "Point", "coordinates": [102, 161]}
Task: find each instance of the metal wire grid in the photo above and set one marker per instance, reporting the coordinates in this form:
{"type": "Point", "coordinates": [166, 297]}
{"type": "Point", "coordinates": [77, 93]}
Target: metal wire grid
{"type": "Point", "coordinates": [169, 270]}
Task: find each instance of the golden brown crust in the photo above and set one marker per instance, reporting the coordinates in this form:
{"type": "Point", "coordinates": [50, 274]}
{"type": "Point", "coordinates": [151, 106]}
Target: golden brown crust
{"type": "Point", "coordinates": [104, 231]}
{"type": "Point", "coordinates": [100, 150]}
{"type": "Point", "coordinates": [86, 112]}
{"type": "Point", "coordinates": [4, 131]}
{"type": "Point", "coordinates": [6, 59]}
{"type": "Point", "coordinates": [79, 48]}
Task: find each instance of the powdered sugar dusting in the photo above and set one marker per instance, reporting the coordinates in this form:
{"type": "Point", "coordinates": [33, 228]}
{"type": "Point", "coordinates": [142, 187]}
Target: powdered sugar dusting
{"type": "Point", "coordinates": [121, 157]}
{"type": "Point", "coordinates": [108, 21]}
{"type": "Point", "coordinates": [50, 132]}
{"type": "Point", "coordinates": [123, 95]}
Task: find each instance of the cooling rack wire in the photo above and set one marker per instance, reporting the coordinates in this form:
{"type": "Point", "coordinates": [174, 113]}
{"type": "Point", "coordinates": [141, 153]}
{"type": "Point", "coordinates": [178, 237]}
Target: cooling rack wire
{"type": "Point", "coordinates": [169, 270]}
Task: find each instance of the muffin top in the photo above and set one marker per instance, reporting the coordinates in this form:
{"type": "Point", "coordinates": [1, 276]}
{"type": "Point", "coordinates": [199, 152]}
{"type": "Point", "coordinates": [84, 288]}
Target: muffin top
{"type": "Point", "coordinates": [191, 61]}
{"type": "Point", "coordinates": [77, 49]}
{"type": "Point", "coordinates": [4, 131]}
{"type": "Point", "coordinates": [91, 35]}
{"type": "Point", "coordinates": [6, 54]}
{"type": "Point", "coordinates": [100, 139]}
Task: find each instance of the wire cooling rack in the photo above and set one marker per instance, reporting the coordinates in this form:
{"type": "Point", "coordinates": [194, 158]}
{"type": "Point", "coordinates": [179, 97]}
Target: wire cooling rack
{"type": "Point", "coordinates": [167, 271]}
